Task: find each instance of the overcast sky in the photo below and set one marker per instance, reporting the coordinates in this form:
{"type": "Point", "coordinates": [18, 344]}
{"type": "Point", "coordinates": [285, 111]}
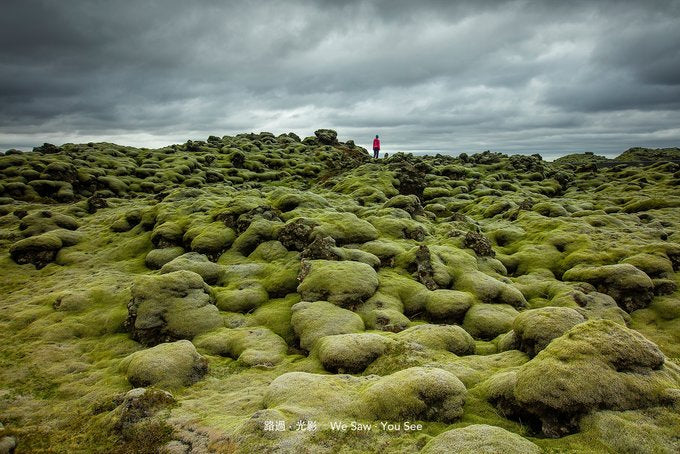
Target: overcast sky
{"type": "Point", "coordinates": [436, 76]}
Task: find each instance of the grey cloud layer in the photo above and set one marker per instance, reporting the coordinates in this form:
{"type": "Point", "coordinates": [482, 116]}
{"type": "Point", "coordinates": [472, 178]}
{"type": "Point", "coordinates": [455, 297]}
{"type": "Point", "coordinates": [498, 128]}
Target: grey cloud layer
{"type": "Point", "coordinates": [516, 76]}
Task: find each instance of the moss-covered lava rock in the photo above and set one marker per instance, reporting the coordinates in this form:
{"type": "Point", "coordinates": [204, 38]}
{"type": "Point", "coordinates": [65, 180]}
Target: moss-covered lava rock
{"type": "Point", "coordinates": [177, 305]}
{"type": "Point", "coordinates": [170, 365]}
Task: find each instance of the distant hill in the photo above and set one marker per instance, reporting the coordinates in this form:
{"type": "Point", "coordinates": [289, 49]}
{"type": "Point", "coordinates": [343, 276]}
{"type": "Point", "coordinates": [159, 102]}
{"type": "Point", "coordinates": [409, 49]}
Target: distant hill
{"type": "Point", "coordinates": [649, 154]}
{"type": "Point", "coordinates": [580, 158]}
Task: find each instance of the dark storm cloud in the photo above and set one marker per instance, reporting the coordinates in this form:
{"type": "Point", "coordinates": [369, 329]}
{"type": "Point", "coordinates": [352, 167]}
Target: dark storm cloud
{"type": "Point", "coordinates": [524, 76]}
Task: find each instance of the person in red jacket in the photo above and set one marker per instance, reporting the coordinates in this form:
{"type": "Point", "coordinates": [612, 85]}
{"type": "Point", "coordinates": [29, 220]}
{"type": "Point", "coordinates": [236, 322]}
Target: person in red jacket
{"type": "Point", "coordinates": [376, 146]}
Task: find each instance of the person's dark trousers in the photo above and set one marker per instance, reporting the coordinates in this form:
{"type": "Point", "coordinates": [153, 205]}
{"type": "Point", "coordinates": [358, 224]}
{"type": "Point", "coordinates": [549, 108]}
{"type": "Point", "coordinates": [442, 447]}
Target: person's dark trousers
{"type": "Point", "coordinates": [376, 152]}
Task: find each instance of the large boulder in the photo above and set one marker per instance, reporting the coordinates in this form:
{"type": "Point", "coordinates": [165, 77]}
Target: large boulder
{"type": "Point", "coordinates": [326, 136]}
{"type": "Point", "coordinates": [177, 305]}
{"type": "Point", "coordinates": [596, 365]}
{"type": "Point", "coordinates": [169, 365]}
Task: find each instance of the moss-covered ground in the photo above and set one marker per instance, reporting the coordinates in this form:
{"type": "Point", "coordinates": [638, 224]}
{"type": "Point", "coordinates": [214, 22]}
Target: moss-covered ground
{"type": "Point", "coordinates": [261, 290]}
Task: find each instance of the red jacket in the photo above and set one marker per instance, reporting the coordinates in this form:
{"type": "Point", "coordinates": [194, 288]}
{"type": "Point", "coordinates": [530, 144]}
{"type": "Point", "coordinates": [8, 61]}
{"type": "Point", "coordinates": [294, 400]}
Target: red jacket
{"type": "Point", "coordinates": [376, 143]}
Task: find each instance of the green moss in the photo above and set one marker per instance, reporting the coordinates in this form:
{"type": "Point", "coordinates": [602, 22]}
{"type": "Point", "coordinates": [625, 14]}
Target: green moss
{"type": "Point", "coordinates": [398, 228]}
{"type": "Point", "coordinates": [385, 250]}
{"type": "Point", "coordinates": [37, 250]}
{"type": "Point", "coordinates": [536, 328]}
{"type": "Point", "coordinates": [550, 209]}
{"type": "Point", "coordinates": [636, 431]}
{"type": "Point", "coordinates": [345, 228]}
{"type": "Point", "coordinates": [247, 296]}
{"type": "Point", "coordinates": [177, 305]}
{"type": "Point", "coordinates": [269, 251]}
{"type": "Point", "coordinates": [196, 263]}
{"type": "Point", "coordinates": [653, 265]}
{"type": "Point", "coordinates": [276, 315]}
{"type": "Point", "coordinates": [450, 338]}
{"type": "Point", "coordinates": [384, 319]}
{"type": "Point", "coordinates": [480, 438]}
{"type": "Point", "coordinates": [254, 346]}
{"type": "Point", "coordinates": [167, 234]}
{"type": "Point", "coordinates": [630, 287]}
{"type": "Point", "coordinates": [595, 365]}
{"type": "Point", "coordinates": [62, 327]}
{"type": "Point", "coordinates": [636, 206]}
{"type": "Point", "coordinates": [487, 321]}
{"type": "Point", "coordinates": [314, 320]}
{"type": "Point", "coordinates": [156, 258]}
{"type": "Point", "coordinates": [312, 395]}
{"type": "Point", "coordinates": [170, 365]}
{"type": "Point", "coordinates": [259, 231]}
{"type": "Point", "coordinates": [341, 283]}
{"type": "Point", "coordinates": [489, 290]}
{"type": "Point", "coordinates": [357, 255]}
{"type": "Point", "coordinates": [350, 353]}
{"type": "Point", "coordinates": [450, 305]}
{"type": "Point", "coordinates": [41, 221]}
{"type": "Point", "coordinates": [417, 393]}
{"type": "Point", "coordinates": [212, 240]}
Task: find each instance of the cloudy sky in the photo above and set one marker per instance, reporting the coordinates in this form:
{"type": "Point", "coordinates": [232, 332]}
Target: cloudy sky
{"type": "Point", "coordinates": [434, 76]}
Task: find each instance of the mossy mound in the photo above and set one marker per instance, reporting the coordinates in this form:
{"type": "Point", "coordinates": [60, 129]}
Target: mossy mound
{"type": "Point", "coordinates": [448, 305]}
{"type": "Point", "coordinates": [343, 283]}
{"type": "Point", "coordinates": [167, 234]}
{"type": "Point", "coordinates": [169, 365]}
{"type": "Point", "coordinates": [211, 240]}
{"type": "Point", "coordinates": [156, 258]}
{"type": "Point", "coordinates": [248, 295]}
{"type": "Point", "coordinates": [38, 250]}
{"type": "Point", "coordinates": [646, 431]}
{"type": "Point", "coordinates": [449, 338]}
{"type": "Point", "coordinates": [255, 346]}
{"type": "Point", "coordinates": [595, 365]}
{"type": "Point", "coordinates": [490, 290]}
{"type": "Point", "coordinates": [486, 321]}
{"type": "Point", "coordinates": [177, 305]}
{"type": "Point", "coordinates": [137, 415]}
{"type": "Point", "coordinates": [480, 438]}
{"type": "Point", "coordinates": [351, 353]}
{"type": "Point", "coordinates": [345, 228]}
{"type": "Point", "coordinates": [417, 393]}
{"type": "Point", "coordinates": [41, 221]}
{"type": "Point", "coordinates": [649, 154]}
{"type": "Point", "coordinates": [196, 263]}
{"type": "Point", "coordinates": [314, 320]}
{"type": "Point", "coordinates": [630, 287]}
{"type": "Point", "coordinates": [536, 328]}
